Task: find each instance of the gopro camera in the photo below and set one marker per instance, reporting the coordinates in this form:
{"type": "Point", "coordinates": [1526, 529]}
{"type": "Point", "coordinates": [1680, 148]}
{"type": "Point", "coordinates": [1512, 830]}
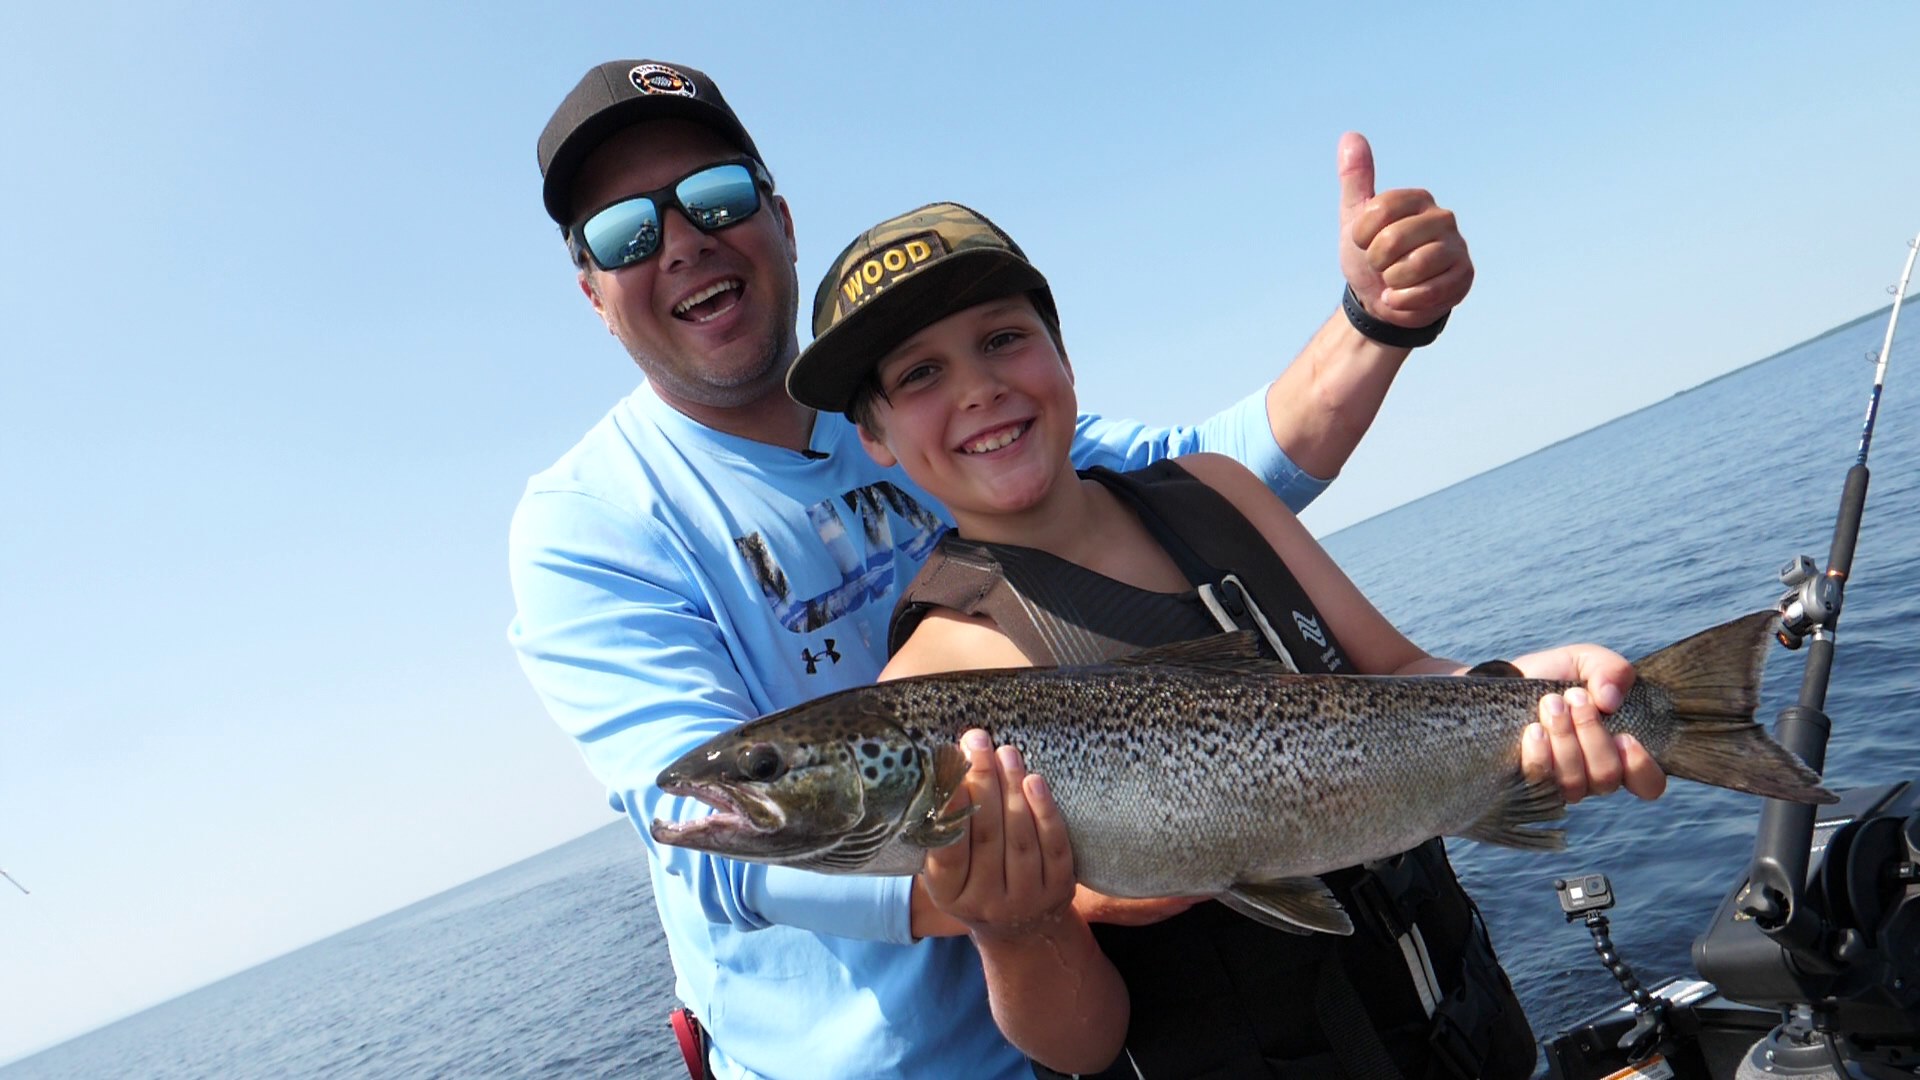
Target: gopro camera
{"type": "Point", "coordinates": [1582, 894]}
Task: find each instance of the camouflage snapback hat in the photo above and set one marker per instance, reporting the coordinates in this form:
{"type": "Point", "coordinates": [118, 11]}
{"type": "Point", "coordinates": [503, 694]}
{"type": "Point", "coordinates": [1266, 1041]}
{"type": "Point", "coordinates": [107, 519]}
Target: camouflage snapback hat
{"type": "Point", "coordinates": [896, 279]}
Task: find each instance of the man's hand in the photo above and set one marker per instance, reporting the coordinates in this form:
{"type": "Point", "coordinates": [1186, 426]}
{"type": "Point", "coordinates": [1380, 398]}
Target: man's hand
{"type": "Point", "coordinates": [1403, 255]}
{"type": "Point", "coordinates": [1570, 742]}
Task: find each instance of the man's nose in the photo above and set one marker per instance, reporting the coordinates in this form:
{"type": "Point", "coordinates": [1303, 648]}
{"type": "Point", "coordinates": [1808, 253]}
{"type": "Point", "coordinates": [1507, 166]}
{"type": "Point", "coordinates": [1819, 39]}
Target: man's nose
{"type": "Point", "coordinates": [681, 243]}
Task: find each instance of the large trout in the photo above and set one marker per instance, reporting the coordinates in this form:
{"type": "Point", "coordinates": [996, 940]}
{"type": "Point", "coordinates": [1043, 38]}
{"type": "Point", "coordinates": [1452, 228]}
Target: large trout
{"type": "Point", "coordinates": [1202, 769]}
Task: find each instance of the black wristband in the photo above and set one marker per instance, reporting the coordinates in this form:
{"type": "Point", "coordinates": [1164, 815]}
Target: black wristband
{"type": "Point", "coordinates": [1386, 333]}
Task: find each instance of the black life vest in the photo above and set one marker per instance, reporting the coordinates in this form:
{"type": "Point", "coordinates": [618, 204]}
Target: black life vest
{"type": "Point", "coordinates": [1215, 994]}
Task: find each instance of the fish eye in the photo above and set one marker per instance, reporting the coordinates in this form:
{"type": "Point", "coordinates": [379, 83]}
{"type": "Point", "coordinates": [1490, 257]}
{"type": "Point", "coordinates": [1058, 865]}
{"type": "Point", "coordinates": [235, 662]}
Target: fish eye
{"type": "Point", "coordinates": [760, 762]}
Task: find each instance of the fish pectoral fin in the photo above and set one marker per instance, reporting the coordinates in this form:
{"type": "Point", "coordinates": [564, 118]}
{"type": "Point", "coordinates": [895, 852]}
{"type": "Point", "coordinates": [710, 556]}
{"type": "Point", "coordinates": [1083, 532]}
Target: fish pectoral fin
{"type": "Point", "coordinates": [949, 768]}
{"type": "Point", "coordinates": [1521, 805]}
{"type": "Point", "coordinates": [937, 826]}
{"type": "Point", "coordinates": [938, 829]}
{"type": "Point", "coordinates": [1296, 905]}
{"type": "Point", "coordinates": [1490, 669]}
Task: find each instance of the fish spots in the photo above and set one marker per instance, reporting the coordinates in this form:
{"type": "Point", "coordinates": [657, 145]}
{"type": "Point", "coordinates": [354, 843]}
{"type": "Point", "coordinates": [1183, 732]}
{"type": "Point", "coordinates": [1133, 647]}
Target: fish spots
{"type": "Point", "coordinates": [870, 773]}
{"type": "Point", "coordinates": [870, 749]}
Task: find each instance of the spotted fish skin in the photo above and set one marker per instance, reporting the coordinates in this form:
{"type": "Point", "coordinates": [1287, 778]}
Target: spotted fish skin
{"type": "Point", "coordinates": [1201, 769]}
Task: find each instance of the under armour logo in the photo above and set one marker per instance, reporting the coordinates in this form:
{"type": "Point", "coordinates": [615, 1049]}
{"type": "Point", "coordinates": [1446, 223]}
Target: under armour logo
{"type": "Point", "coordinates": [813, 659]}
{"type": "Point", "coordinates": [1310, 629]}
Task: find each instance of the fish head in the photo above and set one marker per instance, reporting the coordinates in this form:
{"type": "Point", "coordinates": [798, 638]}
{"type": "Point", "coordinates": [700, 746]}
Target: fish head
{"type": "Point", "coordinates": [823, 786]}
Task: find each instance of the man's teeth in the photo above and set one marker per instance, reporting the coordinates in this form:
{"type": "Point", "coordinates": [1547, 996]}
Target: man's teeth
{"type": "Point", "coordinates": [1005, 437]}
{"type": "Point", "coordinates": [703, 296]}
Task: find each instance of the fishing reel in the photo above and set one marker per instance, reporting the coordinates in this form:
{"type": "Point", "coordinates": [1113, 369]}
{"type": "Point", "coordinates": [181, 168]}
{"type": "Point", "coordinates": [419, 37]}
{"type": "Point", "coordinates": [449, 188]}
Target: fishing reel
{"type": "Point", "coordinates": [1812, 601]}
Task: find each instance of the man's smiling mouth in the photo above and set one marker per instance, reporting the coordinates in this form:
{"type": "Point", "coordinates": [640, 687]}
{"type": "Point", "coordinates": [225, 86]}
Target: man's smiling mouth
{"type": "Point", "coordinates": [997, 440]}
{"type": "Point", "coordinates": [709, 303]}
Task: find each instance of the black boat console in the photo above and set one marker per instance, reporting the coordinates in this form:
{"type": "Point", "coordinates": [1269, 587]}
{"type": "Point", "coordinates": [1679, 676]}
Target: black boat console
{"type": "Point", "coordinates": [1848, 999]}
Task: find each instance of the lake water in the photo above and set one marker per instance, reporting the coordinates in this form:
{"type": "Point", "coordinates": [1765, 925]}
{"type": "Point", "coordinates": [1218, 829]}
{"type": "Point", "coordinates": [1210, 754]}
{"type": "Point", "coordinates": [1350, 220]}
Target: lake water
{"type": "Point", "coordinates": [1635, 534]}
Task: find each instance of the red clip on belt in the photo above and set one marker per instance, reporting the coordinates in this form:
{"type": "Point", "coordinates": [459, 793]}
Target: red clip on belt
{"type": "Point", "coordinates": [693, 1042]}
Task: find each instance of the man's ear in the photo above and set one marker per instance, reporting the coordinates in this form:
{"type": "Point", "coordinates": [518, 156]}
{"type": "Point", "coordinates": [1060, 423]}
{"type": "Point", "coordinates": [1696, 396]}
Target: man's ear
{"type": "Point", "coordinates": [876, 449]}
{"type": "Point", "coordinates": [786, 227]}
{"type": "Point", "coordinates": [587, 289]}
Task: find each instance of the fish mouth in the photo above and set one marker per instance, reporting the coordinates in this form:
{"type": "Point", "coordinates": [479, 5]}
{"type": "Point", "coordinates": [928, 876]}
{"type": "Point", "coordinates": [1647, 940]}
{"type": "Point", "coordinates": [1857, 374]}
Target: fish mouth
{"type": "Point", "coordinates": [735, 817]}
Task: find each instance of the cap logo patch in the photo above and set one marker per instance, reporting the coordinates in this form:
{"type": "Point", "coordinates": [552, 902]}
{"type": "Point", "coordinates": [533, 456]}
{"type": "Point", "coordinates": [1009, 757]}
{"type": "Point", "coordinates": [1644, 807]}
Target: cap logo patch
{"type": "Point", "coordinates": [870, 276]}
{"type": "Point", "coordinates": [660, 79]}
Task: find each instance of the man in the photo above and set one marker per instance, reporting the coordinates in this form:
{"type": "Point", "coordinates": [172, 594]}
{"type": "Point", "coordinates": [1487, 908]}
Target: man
{"type": "Point", "coordinates": [712, 551]}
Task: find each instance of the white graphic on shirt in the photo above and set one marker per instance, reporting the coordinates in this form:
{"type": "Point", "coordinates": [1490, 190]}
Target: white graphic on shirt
{"type": "Point", "coordinates": [865, 575]}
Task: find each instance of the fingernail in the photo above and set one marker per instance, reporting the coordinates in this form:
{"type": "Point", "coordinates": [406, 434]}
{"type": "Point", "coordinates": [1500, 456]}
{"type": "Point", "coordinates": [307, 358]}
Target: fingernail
{"type": "Point", "coordinates": [1010, 759]}
{"type": "Point", "coordinates": [1040, 788]}
{"type": "Point", "coordinates": [1609, 698]}
{"type": "Point", "coordinates": [1578, 698]}
{"type": "Point", "coordinates": [976, 740]}
{"type": "Point", "coordinates": [1534, 733]}
{"type": "Point", "coordinates": [1555, 705]}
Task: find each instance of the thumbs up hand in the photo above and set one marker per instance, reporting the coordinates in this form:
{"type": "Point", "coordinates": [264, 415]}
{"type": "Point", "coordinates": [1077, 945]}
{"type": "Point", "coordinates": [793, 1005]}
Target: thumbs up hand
{"type": "Point", "coordinates": [1402, 254]}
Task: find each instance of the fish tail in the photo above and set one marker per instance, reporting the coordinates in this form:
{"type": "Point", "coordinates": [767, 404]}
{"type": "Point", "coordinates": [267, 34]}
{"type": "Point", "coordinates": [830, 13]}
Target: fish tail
{"type": "Point", "coordinates": [1713, 682]}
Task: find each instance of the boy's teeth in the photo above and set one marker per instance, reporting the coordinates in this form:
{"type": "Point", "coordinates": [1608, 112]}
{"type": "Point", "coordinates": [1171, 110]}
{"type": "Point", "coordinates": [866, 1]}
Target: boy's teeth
{"type": "Point", "coordinates": [995, 442]}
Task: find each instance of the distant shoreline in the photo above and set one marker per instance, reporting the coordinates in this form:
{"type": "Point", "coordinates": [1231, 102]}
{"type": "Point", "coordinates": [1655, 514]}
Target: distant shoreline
{"type": "Point", "coordinates": [1878, 313]}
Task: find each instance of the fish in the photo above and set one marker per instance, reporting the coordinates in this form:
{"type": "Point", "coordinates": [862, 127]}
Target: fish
{"type": "Point", "coordinates": [1202, 768]}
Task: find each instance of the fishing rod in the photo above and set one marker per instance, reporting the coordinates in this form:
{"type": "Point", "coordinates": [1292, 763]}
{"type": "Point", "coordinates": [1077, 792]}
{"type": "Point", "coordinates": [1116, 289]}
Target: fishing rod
{"type": "Point", "coordinates": [1812, 610]}
{"type": "Point", "coordinates": [17, 885]}
{"type": "Point", "coordinates": [1828, 947]}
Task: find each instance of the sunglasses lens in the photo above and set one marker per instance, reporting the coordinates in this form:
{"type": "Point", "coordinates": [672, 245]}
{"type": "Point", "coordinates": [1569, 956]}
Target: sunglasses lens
{"type": "Point", "coordinates": [629, 230]}
{"type": "Point", "coordinates": [718, 197]}
{"type": "Point", "coordinates": [623, 233]}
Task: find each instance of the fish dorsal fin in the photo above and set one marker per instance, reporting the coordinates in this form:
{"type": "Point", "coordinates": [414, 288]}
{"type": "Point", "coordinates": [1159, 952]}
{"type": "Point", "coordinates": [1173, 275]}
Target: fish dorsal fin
{"type": "Point", "coordinates": [1495, 669]}
{"type": "Point", "coordinates": [1302, 905]}
{"type": "Point", "coordinates": [1232, 651]}
{"type": "Point", "coordinates": [1523, 804]}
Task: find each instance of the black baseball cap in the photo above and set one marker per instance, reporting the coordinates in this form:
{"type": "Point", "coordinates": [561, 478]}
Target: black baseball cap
{"type": "Point", "coordinates": [619, 94]}
{"type": "Point", "coordinates": [898, 278]}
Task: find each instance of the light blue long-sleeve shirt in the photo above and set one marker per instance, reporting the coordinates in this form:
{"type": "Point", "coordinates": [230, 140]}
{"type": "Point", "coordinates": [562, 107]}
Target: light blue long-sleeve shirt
{"type": "Point", "coordinates": [673, 581]}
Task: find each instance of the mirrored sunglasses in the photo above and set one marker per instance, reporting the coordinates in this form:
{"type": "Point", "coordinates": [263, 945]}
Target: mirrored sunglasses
{"type": "Point", "coordinates": [628, 231]}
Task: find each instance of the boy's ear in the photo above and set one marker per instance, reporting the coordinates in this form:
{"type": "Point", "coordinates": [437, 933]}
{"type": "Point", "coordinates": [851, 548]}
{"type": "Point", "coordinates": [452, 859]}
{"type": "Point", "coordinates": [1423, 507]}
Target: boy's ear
{"type": "Point", "coordinates": [876, 449]}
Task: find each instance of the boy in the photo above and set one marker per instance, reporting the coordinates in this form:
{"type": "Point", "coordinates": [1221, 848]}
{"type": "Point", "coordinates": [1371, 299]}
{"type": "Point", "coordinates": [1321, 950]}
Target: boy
{"type": "Point", "coordinates": [938, 338]}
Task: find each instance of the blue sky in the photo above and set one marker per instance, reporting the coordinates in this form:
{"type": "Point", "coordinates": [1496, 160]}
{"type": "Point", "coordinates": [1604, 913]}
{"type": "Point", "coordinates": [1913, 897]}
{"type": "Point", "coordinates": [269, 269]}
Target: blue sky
{"type": "Point", "coordinates": [283, 330]}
